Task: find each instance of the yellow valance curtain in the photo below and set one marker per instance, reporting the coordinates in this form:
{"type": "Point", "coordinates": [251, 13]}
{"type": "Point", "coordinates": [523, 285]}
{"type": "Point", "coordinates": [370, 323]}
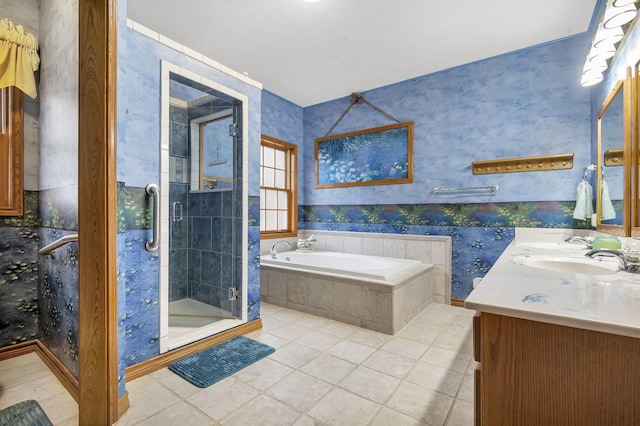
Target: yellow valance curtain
{"type": "Point", "coordinates": [18, 58]}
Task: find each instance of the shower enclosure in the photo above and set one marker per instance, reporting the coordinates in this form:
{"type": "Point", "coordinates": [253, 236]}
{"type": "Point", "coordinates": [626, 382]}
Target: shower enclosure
{"type": "Point", "coordinates": [202, 265]}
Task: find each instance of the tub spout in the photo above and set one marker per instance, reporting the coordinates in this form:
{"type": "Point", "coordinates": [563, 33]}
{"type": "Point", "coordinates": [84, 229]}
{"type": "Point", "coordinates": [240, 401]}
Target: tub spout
{"type": "Point", "coordinates": [274, 252]}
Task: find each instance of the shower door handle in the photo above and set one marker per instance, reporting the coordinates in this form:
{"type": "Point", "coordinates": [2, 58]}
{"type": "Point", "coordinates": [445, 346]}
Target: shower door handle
{"type": "Point", "coordinates": [177, 211]}
{"type": "Point", "coordinates": [154, 191]}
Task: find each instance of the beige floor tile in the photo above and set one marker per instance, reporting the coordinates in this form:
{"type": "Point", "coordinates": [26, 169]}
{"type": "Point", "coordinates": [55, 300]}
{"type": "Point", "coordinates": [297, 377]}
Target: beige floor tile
{"type": "Point", "coordinates": [271, 340]}
{"type": "Point", "coordinates": [267, 309]}
{"type": "Point", "coordinates": [340, 407]}
{"type": "Point", "coordinates": [263, 373]}
{"type": "Point", "coordinates": [455, 342]}
{"type": "Point", "coordinates": [370, 338]}
{"type": "Point", "coordinates": [299, 390]}
{"type": "Point", "coordinates": [417, 333]}
{"type": "Point", "coordinates": [387, 417]}
{"type": "Point", "coordinates": [60, 408]}
{"type": "Point", "coordinates": [311, 321]}
{"type": "Point", "coordinates": [466, 392]}
{"type": "Point", "coordinates": [461, 414]}
{"type": "Point", "coordinates": [262, 411]}
{"type": "Point", "coordinates": [38, 389]}
{"type": "Point", "coordinates": [447, 359]}
{"type": "Point", "coordinates": [404, 347]}
{"type": "Point", "coordinates": [15, 373]}
{"type": "Point", "coordinates": [271, 323]}
{"type": "Point", "coordinates": [305, 420]}
{"type": "Point", "coordinates": [182, 414]}
{"type": "Point", "coordinates": [390, 363]}
{"type": "Point", "coordinates": [361, 382]}
{"type": "Point", "coordinates": [146, 397]}
{"type": "Point", "coordinates": [19, 361]}
{"type": "Point", "coordinates": [223, 398]}
{"type": "Point", "coordinates": [351, 351]}
{"type": "Point", "coordinates": [329, 368]}
{"type": "Point", "coordinates": [175, 383]}
{"type": "Point", "coordinates": [71, 422]}
{"type": "Point", "coordinates": [429, 406]}
{"type": "Point", "coordinates": [291, 332]}
{"type": "Point", "coordinates": [339, 329]}
{"type": "Point", "coordinates": [436, 378]}
{"type": "Point", "coordinates": [294, 355]}
{"type": "Point", "coordinates": [286, 315]}
{"type": "Point", "coordinates": [318, 340]}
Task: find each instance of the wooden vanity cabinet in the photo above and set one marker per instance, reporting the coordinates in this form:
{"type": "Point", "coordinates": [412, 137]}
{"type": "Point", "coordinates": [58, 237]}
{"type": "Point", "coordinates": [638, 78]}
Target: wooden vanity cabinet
{"type": "Point", "coordinates": [535, 373]}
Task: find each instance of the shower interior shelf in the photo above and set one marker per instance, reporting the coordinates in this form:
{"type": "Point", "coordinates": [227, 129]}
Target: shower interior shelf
{"type": "Point", "coordinates": [523, 164]}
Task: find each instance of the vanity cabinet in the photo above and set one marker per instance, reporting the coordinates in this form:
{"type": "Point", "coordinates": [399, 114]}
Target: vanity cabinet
{"type": "Point", "coordinates": [537, 373]}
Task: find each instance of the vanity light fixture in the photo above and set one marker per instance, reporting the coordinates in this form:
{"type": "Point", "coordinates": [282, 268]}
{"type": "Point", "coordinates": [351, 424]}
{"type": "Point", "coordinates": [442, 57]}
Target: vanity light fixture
{"type": "Point", "coordinates": [607, 35]}
{"type": "Point", "coordinates": [617, 14]}
{"type": "Point", "coordinates": [610, 32]}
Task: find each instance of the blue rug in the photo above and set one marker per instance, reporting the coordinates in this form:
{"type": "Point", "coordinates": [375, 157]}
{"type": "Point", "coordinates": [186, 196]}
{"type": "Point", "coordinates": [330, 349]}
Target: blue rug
{"type": "Point", "coordinates": [214, 364]}
{"type": "Point", "coordinates": [26, 413]}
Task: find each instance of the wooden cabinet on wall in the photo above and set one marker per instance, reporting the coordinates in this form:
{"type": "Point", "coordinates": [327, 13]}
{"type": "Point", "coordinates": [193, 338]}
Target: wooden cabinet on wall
{"type": "Point", "coordinates": [11, 152]}
{"type": "Point", "coordinates": [536, 373]}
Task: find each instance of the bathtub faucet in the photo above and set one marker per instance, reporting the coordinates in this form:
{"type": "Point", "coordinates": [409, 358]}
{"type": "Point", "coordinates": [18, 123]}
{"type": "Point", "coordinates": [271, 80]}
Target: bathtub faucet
{"type": "Point", "coordinates": [273, 248]}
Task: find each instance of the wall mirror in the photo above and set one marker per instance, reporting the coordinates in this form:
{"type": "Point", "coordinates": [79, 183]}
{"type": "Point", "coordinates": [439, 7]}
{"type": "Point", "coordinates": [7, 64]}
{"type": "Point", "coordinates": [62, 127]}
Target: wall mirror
{"type": "Point", "coordinates": [635, 150]}
{"type": "Point", "coordinates": [612, 188]}
{"type": "Point", "coordinates": [201, 136]}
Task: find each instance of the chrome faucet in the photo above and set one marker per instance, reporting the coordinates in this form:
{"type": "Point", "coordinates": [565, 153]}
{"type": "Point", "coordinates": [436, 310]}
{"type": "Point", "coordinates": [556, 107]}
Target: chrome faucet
{"type": "Point", "coordinates": [627, 263]}
{"type": "Point", "coordinates": [587, 241]}
{"type": "Point", "coordinates": [273, 248]}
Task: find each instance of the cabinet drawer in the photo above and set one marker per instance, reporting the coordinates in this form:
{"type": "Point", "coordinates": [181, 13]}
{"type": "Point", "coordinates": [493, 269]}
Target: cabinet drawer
{"type": "Point", "coordinates": [476, 336]}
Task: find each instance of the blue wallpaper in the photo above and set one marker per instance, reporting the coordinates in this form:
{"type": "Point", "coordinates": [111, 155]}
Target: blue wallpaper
{"type": "Point", "coordinates": [139, 164]}
{"type": "Point", "coordinates": [525, 103]}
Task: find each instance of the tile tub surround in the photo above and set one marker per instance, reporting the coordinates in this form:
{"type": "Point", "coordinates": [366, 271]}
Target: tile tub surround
{"type": "Point", "coordinates": [433, 250]}
{"type": "Point", "coordinates": [385, 308]}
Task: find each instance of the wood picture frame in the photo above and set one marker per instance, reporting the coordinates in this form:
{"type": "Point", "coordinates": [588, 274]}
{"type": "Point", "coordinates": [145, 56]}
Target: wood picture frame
{"type": "Point", "coordinates": [377, 156]}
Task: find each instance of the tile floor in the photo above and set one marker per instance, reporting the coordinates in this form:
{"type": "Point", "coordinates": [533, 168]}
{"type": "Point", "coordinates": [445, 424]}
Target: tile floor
{"type": "Point", "coordinates": [323, 372]}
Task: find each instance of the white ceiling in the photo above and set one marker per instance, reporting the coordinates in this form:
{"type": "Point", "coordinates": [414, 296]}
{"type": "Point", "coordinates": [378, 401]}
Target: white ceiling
{"type": "Point", "coordinates": [314, 52]}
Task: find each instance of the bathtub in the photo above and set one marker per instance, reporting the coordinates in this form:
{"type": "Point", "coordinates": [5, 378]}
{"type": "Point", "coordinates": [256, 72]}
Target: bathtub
{"type": "Point", "coordinates": [377, 293]}
{"type": "Point", "coordinates": [384, 270]}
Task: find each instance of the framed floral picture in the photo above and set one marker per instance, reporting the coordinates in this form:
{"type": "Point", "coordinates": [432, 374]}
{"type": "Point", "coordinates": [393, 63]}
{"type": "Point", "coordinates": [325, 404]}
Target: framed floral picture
{"type": "Point", "coordinates": [377, 156]}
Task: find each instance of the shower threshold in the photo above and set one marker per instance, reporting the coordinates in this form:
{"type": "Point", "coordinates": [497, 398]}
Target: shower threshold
{"type": "Point", "coordinates": [188, 317]}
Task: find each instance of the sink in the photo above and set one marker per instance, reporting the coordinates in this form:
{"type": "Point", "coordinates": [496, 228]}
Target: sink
{"type": "Point", "coordinates": [576, 265]}
{"type": "Point", "coordinates": [552, 246]}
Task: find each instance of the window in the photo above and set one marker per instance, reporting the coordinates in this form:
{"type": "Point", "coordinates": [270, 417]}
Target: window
{"type": "Point", "coordinates": [11, 152]}
{"type": "Point", "coordinates": [278, 188]}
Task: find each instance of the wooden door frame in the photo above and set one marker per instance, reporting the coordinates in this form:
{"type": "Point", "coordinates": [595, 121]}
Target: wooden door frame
{"type": "Point", "coordinates": [97, 206]}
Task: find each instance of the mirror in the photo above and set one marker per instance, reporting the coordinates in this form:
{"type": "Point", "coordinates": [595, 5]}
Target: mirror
{"type": "Point", "coordinates": [208, 164]}
{"type": "Point", "coordinates": [613, 142]}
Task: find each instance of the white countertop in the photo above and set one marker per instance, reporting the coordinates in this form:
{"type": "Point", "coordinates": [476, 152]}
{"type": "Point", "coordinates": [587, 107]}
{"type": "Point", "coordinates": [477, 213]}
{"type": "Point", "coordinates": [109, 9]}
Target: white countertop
{"type": "Point", "coordinates": [606, 303]}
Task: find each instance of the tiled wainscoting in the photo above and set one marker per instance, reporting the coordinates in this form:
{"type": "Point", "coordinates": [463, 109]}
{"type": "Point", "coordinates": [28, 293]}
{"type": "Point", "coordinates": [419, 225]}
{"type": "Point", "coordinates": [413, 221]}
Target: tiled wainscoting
{"type": "Point", "coordinates": [429, 249]}
{"type": "Point", "coordinates": [379, 307]}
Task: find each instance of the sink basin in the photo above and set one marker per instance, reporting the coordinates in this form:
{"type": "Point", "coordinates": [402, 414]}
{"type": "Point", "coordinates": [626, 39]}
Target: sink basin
{"type": "Point", "coordinates": [576, 265]}
{"type": "Point", "coordinates": [552, 246]}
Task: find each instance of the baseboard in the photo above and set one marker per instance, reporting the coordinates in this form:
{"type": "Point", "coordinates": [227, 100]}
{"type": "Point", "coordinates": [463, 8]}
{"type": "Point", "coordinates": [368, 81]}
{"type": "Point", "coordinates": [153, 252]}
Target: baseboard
{"type": "Point", "coordinates": [457, 302]}
{"type": "Point", "coordinates": [58, 369]}
{"type": "Point", "coordinates": [161, 361]}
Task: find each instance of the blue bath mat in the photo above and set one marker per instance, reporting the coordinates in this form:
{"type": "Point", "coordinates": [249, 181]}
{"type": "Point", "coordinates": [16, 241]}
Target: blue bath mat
{"type": "Point", "coordinates": [214, 364]}
{"type": "Point", "coordinates": [26, 413]}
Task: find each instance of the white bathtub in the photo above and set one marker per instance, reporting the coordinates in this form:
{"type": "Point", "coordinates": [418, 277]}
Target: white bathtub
{"type": "Point", "coordinates": [378, 293]}
{"type": "Point", "coordinates": [346, 265]}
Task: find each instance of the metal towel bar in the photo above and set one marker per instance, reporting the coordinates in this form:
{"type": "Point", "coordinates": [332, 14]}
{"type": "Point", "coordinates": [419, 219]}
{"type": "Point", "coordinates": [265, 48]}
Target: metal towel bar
{"type": "Point", "coordinates": [154, 191]}
{"type": "Point", "coordinates": [48, 249]}
{"type": "Point", "coordinates": [469, 191]}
